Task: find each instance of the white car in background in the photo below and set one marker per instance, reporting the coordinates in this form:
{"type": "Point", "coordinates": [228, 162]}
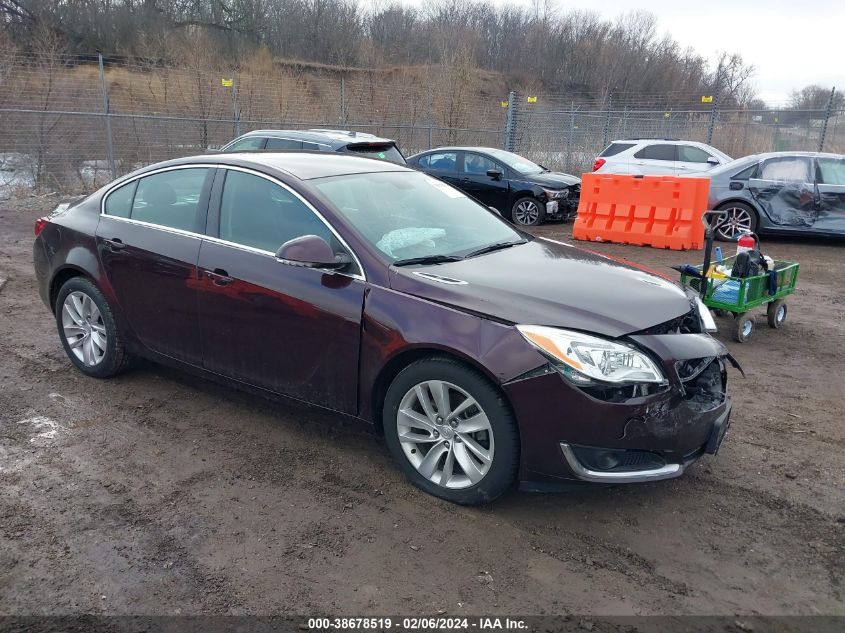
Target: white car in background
{"type": "Point", "coordinates": [658, 157]}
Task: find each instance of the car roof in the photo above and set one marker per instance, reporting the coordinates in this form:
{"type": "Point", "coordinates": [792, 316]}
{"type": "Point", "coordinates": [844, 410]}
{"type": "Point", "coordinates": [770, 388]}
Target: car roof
{"type": "Point", "coordinates": [807, 154]}
{"type": "Point", "coordinates": [303, 165]}
{"type": "Point", "coordinates": [670, 141]}
{"type": "Point", "coordinates": [335, 138]}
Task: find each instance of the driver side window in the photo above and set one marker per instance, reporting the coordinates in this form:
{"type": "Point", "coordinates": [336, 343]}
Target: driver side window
{"type": "Point", "coordinates": [478, 165]}
{"type": "Point", "coordinates": [258, 213]}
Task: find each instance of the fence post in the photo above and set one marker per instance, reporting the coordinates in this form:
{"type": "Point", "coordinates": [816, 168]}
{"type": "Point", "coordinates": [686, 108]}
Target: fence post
{"type": "Point", "coordinates": [236, 108]}
{"type": "Point", "coordinates": [430, 118]}
{"type": "Point", "coordinates": [625, 122]}
{"type": "Point", "coordinates": [714, 114]}
{"type": "Point", "coordinates": [827, 114]}
{"type": "Point", "coordinates": [607, 118]}
{"type": "Point", "coordinates": [107, 118]}
{"type": "Point", "coordinates": [343, 114]}
{"type": "Point", "coordinates": [511, 122]}
{"type": "Point", "coordinates": [569, 137]}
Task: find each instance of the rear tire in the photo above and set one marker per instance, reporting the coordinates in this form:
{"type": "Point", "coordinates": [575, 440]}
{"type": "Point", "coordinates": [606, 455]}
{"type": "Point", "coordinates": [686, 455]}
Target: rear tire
{"type": "Point", "coordinates": [528, 211]}
{"type": "Point", "coordinates": [451, 431]}
{"type": "Point", "coordinates": [88, 331]}
{"type": "Point", "coordinates": [738, 216]}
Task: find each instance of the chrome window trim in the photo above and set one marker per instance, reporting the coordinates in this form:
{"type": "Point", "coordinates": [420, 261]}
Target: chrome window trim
{"type": "Point", "coordinates": [362, 275]}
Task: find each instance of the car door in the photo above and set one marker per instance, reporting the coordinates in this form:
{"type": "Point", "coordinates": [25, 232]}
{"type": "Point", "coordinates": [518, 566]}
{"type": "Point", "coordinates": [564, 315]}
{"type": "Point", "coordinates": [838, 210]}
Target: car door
{"type": "Point", "coordinates": [655, 159]}
{"type": "Point", "coordinates": [486, 189]}
{"type": "Point", "coordinates": [148, 240]}
{"type": "Point", "coordinates": [443, 165]}
{"type": "Point", "coordinates": [784, 189]}
{"type": "Point", "coordinates": [830, 202]}
{"type": "Point", "coordinates": [693, 159]}
{"type": "Point", "coordinates": [289, 329]}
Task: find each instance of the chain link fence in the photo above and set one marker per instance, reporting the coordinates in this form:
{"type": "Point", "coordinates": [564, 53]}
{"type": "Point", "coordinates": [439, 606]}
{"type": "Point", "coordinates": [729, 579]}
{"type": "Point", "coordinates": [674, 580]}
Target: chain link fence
{"type": "Point", "coordinates": [73, 123]}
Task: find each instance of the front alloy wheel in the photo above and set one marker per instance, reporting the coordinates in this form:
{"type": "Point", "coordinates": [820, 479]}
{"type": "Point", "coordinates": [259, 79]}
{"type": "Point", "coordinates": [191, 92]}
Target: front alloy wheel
{"type": "Point", "coordinates": [451, 431]}
{"type": "Point", "coordinates": [527, 212]}
{"type": "Point", "coordinates": [445, 434]}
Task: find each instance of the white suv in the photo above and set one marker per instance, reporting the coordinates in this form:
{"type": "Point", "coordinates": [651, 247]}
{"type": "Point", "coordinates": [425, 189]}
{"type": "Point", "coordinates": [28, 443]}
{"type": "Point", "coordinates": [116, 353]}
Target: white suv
{"type": "Point", "coordinates": [665, 157]}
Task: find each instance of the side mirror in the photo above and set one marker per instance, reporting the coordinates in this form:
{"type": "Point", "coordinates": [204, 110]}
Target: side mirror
{"type": "Point", "coordinates": [311, 251]}
{"type": "Point", "coordinates": [495, 210]}
{"type": "Point", "coordinates": [713, 161]}
{"type": "Point", "coordinates": [495, 174]}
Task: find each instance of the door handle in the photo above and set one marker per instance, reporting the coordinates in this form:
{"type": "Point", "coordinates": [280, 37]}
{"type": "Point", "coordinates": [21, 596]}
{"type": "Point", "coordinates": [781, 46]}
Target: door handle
{"type": "Point", "coordinates": [115, 244]}
{"type": "Point", "coordinates": [219, 277]}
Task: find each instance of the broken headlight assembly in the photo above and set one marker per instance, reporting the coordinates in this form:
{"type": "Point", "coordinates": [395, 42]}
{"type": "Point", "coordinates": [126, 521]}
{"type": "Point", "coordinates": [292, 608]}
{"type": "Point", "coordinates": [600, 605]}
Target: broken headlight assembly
{"type": "Point", "coordinates": [556, 194]}
{"type": "Point", "coordinates": [589, 361]}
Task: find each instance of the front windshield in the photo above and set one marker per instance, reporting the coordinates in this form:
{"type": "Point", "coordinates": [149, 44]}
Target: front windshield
{"type": "Point", "coordinates": [516, 162]}
{"type": "Point", "coordinates": [406, 215]}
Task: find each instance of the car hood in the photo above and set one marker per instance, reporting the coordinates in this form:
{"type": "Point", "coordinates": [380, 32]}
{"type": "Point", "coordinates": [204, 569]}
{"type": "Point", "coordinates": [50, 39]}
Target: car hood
{"type": "Point", "coordinates": [552, 179]}
{"type": "Point", "coordinates": [550, 283]}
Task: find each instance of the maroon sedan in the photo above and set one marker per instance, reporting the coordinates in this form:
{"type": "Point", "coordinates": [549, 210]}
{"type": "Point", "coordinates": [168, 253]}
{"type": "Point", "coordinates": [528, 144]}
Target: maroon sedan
{"type": "Point", "coordinates": [484, 355]}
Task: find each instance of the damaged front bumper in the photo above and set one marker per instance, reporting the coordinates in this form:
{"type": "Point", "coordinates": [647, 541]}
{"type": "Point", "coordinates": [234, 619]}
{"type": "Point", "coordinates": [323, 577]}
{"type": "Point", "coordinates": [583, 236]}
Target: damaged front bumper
{"type": "Point", "coordinates": [571, 434]}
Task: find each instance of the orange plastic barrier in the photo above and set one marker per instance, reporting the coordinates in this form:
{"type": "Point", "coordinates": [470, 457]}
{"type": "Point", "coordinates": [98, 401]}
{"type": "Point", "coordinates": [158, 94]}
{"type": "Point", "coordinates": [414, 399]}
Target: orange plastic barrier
{"type": "Point", "coordinates": [658, 211]}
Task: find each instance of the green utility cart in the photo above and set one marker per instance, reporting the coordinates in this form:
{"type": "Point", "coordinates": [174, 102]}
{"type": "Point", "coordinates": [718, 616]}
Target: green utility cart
{"type": "Point", "coordinates": [739, 295]}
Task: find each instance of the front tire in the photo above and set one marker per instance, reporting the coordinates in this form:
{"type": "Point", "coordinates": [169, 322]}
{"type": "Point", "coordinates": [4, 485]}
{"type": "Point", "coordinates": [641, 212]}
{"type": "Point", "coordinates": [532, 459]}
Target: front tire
{"type": "Point", "coordinates": [739, 218]}
{"type": "Point", "coordinates": [528, 211]}
{"type": "Point", "coordinates": [88, 330]}
{"type": "Point", "coordinates": [451, 431]}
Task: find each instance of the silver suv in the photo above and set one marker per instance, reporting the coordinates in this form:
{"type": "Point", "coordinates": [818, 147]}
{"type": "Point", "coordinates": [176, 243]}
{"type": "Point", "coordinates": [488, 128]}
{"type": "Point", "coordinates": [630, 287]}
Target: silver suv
{"type": "Point", "coordinates": [664, 156]}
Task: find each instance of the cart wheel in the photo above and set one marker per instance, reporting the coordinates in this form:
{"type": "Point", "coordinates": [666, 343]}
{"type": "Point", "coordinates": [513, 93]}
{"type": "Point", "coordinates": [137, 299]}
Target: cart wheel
{"type": "Point", "coordinates": [776, 312]}
{"type": "Point", "coordinates": [743, 327]}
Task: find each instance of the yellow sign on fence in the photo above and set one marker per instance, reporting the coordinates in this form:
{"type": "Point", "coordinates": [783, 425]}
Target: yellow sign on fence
{"type": "Point", "coordinates": [707, 99]}
{"type": "Point", "coordinates": [504, 104]}
{"type": "Point", "coordinates": [226, 83]}
{"type": "Point", "coordinates": [532, 99]}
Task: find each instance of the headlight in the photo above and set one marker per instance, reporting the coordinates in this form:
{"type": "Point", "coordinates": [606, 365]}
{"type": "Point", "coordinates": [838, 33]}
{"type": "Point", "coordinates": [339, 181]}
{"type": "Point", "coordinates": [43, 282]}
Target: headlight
{"type": "Point", "coordinates": [585, 359]}
{"type": "Point", "coordinates": [556, 194]}
{"type": "Point", "coordinates": [706, 318]}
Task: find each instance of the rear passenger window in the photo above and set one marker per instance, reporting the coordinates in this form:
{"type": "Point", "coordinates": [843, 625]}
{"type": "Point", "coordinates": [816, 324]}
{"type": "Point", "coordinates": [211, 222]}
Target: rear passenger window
{"type": "Point", "coordinates": [310, 146]}
{"type": "Point", "coordinates": [283, 143]}
{"type": "Point", "coordinates": [787, 169]}
{"type": "Point", "coordinates": [615, 148]}
{"type": "Point", "coordinates": [657, 152]}
{"type": "Point", "coordinates": [259, 213]}
{"type": "Point", "coordinates": [170, 198]}
{"type": "Point", "coordinates": [119, 202]}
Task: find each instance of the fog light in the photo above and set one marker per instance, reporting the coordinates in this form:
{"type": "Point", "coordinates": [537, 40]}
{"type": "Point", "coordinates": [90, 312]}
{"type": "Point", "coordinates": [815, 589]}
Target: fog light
{"type": "Point", "coordinates": [606, 460]}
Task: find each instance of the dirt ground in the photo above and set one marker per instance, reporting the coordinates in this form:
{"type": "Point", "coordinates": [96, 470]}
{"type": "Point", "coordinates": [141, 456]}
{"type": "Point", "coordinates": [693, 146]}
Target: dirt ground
{"type": "Point", "coordinates": [159, 493]}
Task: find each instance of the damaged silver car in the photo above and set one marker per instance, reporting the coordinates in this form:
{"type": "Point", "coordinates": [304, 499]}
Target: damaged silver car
{"type": "Point", "coordinates": [780, 192]}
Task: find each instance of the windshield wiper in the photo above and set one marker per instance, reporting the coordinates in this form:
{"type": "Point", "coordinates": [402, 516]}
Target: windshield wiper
{"type": "Point", "coordinates": [494, 247]}
{"type": "Point", "coordinates": [428, 259]}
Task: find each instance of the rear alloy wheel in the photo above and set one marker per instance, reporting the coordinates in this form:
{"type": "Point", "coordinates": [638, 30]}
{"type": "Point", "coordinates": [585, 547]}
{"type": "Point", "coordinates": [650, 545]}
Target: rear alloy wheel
{"type": "Point", "coordinates": [527, 212]}
{"type": "Point", "coordinates": [451, 431]}
{"type": "Point", "coordinates": [88, 330]}
{"type": "Point", "coordinates": [739, 219]}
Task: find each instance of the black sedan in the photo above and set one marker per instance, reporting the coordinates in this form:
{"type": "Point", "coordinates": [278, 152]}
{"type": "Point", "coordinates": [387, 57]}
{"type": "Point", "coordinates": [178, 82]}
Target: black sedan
{"type": "Point", "coordinates": [522, 191]}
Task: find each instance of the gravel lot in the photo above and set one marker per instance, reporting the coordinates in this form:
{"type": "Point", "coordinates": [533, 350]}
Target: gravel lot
{"type": "Point", "coordinates": [158, 493]}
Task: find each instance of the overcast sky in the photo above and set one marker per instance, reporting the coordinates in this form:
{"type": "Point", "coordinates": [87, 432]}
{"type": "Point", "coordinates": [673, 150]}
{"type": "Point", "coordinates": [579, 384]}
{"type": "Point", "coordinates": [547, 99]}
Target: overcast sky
{"type": "Point", "coordinates": [791, 43]}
